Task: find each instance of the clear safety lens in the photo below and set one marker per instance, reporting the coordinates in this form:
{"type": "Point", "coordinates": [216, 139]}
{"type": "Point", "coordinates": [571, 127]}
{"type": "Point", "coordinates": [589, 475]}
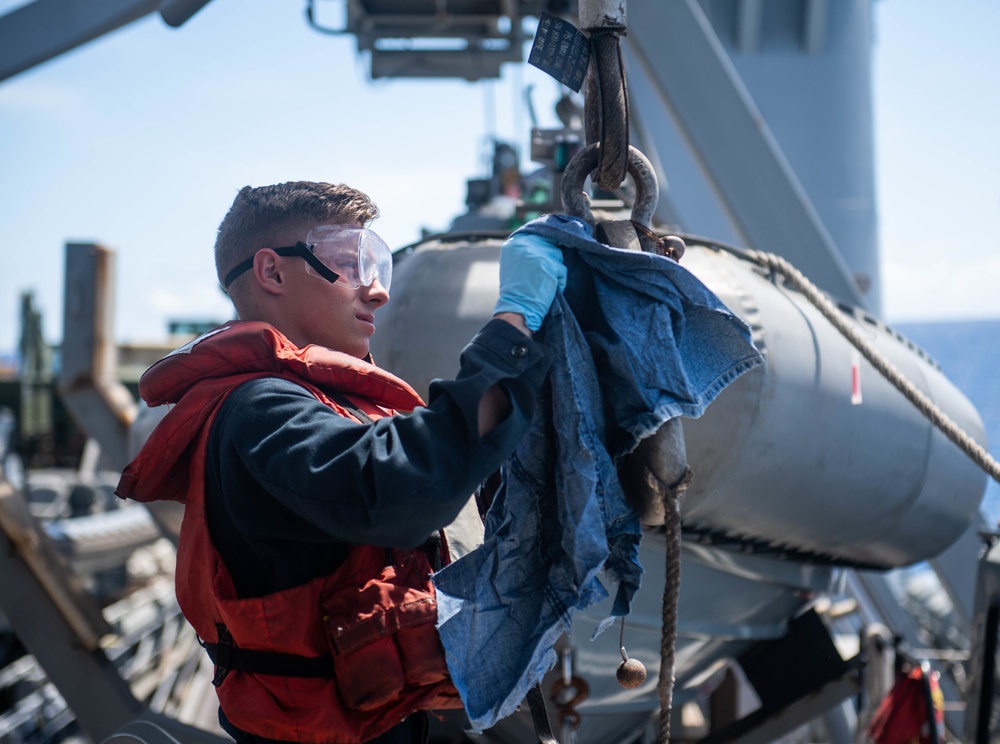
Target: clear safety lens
{"type": "Point", "coordinates": [356, 254]}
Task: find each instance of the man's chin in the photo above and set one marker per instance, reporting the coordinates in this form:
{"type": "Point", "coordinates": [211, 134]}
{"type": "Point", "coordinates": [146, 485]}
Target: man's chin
{"type": "Point", "coordinates": [362, 353]}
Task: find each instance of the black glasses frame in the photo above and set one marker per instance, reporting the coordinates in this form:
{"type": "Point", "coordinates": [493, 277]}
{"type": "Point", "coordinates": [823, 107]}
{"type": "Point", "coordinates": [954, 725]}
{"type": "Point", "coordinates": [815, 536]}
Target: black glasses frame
{"type": "Point", "coordinates": [300, 249]}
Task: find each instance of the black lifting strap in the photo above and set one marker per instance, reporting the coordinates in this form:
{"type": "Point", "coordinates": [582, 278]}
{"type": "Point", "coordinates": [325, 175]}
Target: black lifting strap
{"type": "Point", "coordinates": [227, 657]}
{"type": "Point", "coordinates": [539, 716]}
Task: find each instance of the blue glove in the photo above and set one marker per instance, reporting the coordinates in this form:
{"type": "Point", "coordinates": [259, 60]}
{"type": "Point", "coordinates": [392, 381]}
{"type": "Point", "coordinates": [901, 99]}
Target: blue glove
{"type": "Point", "coordinates": [531, 269]}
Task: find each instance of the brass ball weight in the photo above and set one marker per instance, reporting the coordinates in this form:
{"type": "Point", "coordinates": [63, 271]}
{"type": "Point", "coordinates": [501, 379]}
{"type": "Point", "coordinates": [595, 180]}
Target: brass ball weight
{"type": "Point", "coordinates": [631, 673]}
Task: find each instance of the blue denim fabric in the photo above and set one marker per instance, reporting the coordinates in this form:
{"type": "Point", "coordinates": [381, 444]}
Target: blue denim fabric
{"type": "Point", "coordinates": [636, 340]}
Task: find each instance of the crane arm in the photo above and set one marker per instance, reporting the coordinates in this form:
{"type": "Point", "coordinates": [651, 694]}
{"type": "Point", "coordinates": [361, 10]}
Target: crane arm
{"type": "Point", "coordinates": [43, 29]}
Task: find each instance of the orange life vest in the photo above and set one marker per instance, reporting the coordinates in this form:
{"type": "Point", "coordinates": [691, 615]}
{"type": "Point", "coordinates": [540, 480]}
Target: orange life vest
{"type": "Point", "coordinates": [374, 617]}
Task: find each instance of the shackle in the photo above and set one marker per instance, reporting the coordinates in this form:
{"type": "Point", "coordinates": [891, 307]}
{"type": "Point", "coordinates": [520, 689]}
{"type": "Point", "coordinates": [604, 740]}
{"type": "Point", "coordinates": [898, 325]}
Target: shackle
{"type": "Point", "coordinates": [575, 201]}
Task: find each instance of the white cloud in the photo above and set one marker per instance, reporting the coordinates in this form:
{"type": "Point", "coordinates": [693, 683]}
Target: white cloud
{"type": "Point", "coordinates": [39, 96]}
{"type": "Point", "coordinates": [940, 287]}
{"type": "Point", "coordinates": [152, 308]}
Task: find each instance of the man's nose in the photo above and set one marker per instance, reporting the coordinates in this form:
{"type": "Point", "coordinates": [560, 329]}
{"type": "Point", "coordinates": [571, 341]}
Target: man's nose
{"type": "Point", "coordinates": [377, 293]}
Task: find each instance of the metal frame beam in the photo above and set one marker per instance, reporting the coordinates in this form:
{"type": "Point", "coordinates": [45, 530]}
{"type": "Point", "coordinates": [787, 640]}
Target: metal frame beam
{"type": "Point", "coordinates": [44, 29]}
{"type": "Point", "coordinates": [102, 406]}
{"type": "Point", "coordinates": [981, 710]}
{"type": "Point", "coordinates": [58, 624]}
{"type": "Point", "coordinates": [815, 27]}
{"type": "Point", "coordinates": [812, 706]}
{"type": "Point", "coordinates": [62, 627]}
{"type": "Point", "coordinates": [700, 89]}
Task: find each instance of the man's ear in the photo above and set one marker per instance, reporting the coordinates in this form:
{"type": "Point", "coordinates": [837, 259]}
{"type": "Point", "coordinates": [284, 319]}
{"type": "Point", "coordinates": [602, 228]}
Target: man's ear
{"type": "Point", "coordinates": [267, 272]}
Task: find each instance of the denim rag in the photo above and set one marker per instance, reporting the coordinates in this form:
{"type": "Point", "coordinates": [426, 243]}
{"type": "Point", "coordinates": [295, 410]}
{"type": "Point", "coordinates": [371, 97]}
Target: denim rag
{"type": "Point", "coordinates": [636, 340]}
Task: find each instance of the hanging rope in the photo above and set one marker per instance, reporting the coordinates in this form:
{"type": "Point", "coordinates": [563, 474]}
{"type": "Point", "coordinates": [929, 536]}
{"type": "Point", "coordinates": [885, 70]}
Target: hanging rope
{"type": "Point", "coordinates": [671, 594]}
{"type": "Point", "coordinates": [924, 404]}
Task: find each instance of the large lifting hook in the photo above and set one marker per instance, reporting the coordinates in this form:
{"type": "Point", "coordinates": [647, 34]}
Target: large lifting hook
{"type": "Point", "coordinates": [634, 233]}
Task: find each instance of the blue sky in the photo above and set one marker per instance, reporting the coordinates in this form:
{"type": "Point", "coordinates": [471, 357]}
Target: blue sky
{"type": "Point", "coordinates": [140, 140]}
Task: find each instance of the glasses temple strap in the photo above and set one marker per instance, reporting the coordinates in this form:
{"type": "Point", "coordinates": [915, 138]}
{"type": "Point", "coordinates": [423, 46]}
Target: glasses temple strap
{"type": "Point", "coordinates": [299, 249]}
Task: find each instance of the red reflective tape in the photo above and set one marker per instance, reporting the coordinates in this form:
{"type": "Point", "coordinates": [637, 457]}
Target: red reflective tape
{"type": "Point", "coordinates": [855, 378]}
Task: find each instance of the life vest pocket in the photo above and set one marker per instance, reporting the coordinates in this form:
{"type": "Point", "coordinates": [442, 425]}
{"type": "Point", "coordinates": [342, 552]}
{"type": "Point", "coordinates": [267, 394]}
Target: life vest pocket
{"type": "Point", "coordinates": [382, 633]}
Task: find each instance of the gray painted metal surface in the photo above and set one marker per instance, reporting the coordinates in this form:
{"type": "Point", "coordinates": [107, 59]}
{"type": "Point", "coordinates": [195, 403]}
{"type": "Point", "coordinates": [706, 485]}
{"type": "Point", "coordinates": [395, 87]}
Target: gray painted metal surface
{"type": "Point", "coordinates": [178, 12]}
{"type": "Point", "coordinates": [43, 29]}
{"type": "Point", "coordinates": [440, 298]}
{"type": "Point", "coordinates": [609, 14]}
{"type": "Point", "coordinates": [793, 455]}
{"type": "Point", "coordinates": [733, 169]}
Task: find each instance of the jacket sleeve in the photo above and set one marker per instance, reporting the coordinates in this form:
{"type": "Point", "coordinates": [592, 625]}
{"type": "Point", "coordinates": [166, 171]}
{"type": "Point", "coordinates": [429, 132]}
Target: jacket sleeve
{"type": "Point", "coordinates": [392, 482]}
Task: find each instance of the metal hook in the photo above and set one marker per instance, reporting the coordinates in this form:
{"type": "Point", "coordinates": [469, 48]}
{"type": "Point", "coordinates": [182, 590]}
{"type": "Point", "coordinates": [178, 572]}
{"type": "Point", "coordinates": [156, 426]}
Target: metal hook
{"type": "Point", "coordinates": [566, 696]}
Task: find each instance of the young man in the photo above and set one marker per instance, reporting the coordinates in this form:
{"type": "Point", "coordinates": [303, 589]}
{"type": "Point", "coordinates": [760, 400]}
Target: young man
{"type": "Point", "coordinates": [314, 515]}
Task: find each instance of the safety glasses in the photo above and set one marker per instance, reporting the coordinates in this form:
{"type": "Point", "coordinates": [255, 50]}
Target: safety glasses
{"type": "Point", "coordinates": [342, 254]}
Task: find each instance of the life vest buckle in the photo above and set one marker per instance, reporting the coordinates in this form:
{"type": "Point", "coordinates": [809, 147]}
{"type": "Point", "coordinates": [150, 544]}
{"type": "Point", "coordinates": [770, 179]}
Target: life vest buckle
{"type": "Point", "coordinates": [223, 654]}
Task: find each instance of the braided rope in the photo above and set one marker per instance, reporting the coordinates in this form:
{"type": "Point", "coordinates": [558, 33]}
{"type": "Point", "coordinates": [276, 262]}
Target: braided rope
{"type": "Point", "coordinates": [924, 404]}
{"type": "Point", "coordinates": [671, 595]}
